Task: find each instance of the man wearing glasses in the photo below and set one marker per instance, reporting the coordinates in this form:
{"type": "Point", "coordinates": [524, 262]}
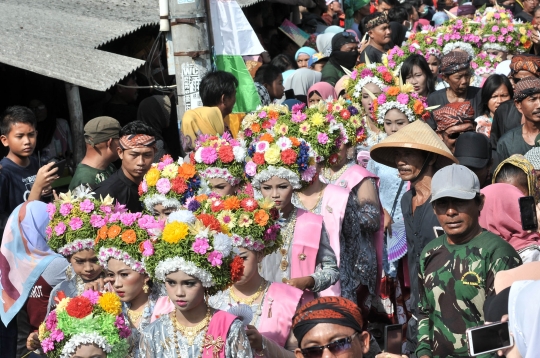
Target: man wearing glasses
{"type": "Point", "coordinates": [452, 120]}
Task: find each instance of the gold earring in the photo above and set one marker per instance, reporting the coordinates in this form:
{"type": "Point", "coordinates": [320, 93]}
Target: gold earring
{"type": "Point", "coordinates": [145, 288]}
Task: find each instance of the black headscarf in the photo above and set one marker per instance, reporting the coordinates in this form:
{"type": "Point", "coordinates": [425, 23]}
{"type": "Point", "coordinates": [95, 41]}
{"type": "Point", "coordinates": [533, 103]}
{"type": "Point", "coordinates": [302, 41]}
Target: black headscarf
{"type": "Point", "coordinates": [340, 58]}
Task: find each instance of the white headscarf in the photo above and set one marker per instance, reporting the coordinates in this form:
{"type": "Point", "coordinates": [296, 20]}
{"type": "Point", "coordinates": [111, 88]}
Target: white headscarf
{"type": "Point", "coordinates": [301, 80]}
{"type": "Point", "coordinates": [524, 317]}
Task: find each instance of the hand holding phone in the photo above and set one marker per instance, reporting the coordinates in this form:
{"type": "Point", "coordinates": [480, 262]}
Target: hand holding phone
{"type": "Point", "coordinates": [393, 338]}
{"type": "Point", "coordinates": [527, 209]}
{"type": "Point", "coordinates": [489, 338]}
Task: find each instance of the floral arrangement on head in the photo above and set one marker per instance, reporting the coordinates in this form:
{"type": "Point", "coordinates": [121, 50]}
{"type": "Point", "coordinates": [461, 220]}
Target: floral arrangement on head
{"type": "Point", "coordinates": [502, 33]}
{"type": "Point", "coordinates": [288, 158]}
{"type": "Point", "coordinates": [169, 183]}
{"type": "Point", "coordinates": [73, 224]}
{"type": "Point", "coordinates": [197, 243]}
{"type": "Point", "coordinates": [91, 318]}
{"type": "Point", "coordinates": [250, 223]}
{"type": "Point", "coordinates": [259, 122]}
{"type": "Point", "coordinates": [402, 98]}
{"type": "Point", "coordinates": [319, 130]}
{"type": "Point", "coordinates": [127, 237]}
{"type": "Point", "coordinates": [363, 74]}
{"type": "Point", "coordinates": [485, 64]}
{"type": "Point", "coordinates": [220, 157]}
{"type": "Point", "coordinates": [397, 55]}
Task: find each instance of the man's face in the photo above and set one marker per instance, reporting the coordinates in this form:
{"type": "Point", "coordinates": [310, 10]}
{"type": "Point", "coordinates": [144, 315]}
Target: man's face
{"type": "Point", "coordinates": [460, 81]}
{"type": "Point", "coordinates": [136, 162]}
{"type": "Point", "coordinates": [530, 108]}
{"type": "Point", "coordinates": [381, 34]}
{"type": "Point", "coordinates": [326, 333]}
{"type": "Point", "coordinates": [409, 162]}
{"type": "Point", "coordinates": [383, 7]}
{"type": "Point", "coordinates": [451, 134]}
{"type": "Point", "coordinates": [458, 218]}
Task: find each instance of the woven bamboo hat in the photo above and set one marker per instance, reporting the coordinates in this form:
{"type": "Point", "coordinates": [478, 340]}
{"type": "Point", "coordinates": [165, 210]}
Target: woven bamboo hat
{"type": "Point", "coordinates": [417, 135]}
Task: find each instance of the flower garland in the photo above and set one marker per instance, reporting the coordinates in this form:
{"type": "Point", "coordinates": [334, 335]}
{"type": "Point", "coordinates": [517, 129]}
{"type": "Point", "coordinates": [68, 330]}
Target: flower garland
{"type": "Point", "coordinates": [217, 157]}
{"type": "Point", "coordinates": [127, 237]}
{"type": "Point", "coordinates": [289, 158]}
{"type": "Point", "coordinates": [468, 48]}
{"type": "Point", "coordinates": [259, 122]}
{"type": "Point", "coordinates": [91, 318]}
{"type": "Point", "coordinates": [169, 183]}
{"type": "Point", "coordinates": [484, 64]}
{"type": "Point", "coordinates": [403, 99]}
{"type": "Point", "coordinates": [363, 74]}
{"type": "Point", "coordinates": [395, 57]}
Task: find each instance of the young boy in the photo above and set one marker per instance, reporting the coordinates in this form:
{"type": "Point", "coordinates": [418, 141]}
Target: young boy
{"type": "Point", "coordinates": [21, 179]}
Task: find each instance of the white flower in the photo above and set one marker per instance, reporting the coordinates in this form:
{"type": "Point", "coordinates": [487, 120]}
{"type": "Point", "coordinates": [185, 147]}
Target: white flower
{"type": "Point", "coordinates": [222, 243]}
{"type": "Point", "coordinates": [84, 338]}
{"type": "Point", "coordinates": [198, 155]}
{"type": "Point", "coordinates": [284, 143]}
{"type": "Point", "coordinates": [239, 153]}
{"type": "Point", "coordinates": [180, 161]}
{"type": "Point", "coordinates": [262, 146]}
{"type": "Point", "coordinates": [150, 201]}
{"type": "Point", "coordinates": [176, 263]}
{"type": "Point", "coordinates": [183, 216]}
{"type": "Point", "coordinates": [280, 172]}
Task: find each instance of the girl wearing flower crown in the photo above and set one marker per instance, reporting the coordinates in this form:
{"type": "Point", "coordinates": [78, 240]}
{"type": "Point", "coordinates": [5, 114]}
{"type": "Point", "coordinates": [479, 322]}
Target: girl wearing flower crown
{"type": "Point", "coordinates": [194, 258]}
{"type": "Point", "coordinates": [167, 186]}
{"type": "Point", "coordinates": [255, 232]}
{"type": "Point", "coordinates": [278, 167]}
{"type": "Point", "coordinates": [87, 326]}
{"type": "Point", "coordinates": [122, 243]}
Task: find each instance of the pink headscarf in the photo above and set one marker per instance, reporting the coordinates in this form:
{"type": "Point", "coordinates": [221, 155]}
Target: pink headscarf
{"type": "Point", "coordinates": [340, 85]}
{"type": "Point", "coordinates": [501, 215]}
{"type": "Point", "coordinates": [324, 89]}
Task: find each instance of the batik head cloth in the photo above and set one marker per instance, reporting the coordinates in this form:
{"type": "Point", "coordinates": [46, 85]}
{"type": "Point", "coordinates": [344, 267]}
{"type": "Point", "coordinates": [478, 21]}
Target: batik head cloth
{"type": "Point", "coordinates": [452, 114]}
{"type": "Point", "coordinates": [379, 20]}
{"type": "Point", "coordinates": [454, 61]}
{"type": "Point", "coordinates": [525, 63]}
{"type": "Point", "coordinates": [137, 141]}
{"type": "Point", "coordinates": [526, 87]}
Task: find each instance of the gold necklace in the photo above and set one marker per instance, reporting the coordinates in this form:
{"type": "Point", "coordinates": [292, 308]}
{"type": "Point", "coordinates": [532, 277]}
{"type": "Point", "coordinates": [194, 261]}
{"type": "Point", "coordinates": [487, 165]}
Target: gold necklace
{"type": "Point", "coordinates": [287, 235]}
{"type": "Point", "coordinates": [134, 315]}
{"type": "Point", "coordinates": [79, 284]}
{"type": "Point", "coordinates": [249, 300]}
{"type": "Point", "coordinates": [312, 210]}
{"type": "Point", "coordinates": [190, 333]}
{"type": "Point", "coordinates": [327, 174]}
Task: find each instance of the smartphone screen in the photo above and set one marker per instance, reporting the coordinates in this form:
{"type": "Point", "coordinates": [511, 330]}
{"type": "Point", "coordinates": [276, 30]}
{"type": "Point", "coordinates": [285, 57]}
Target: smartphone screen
{"type": "Point", "coordinates": [60, 165]}
{"type": "Point", "coordinates": [438, 231]}
{"type": "Point", "coordinates": [393, 338]}
{"type": "Point", "coordinates": [527, 208]}
{"type": "Point", "coordinates": [488, 338]}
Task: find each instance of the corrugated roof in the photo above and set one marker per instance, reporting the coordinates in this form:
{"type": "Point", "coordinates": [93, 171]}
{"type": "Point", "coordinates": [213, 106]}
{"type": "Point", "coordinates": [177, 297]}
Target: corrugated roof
{"type": "Point", "coordinates": [58, 38]}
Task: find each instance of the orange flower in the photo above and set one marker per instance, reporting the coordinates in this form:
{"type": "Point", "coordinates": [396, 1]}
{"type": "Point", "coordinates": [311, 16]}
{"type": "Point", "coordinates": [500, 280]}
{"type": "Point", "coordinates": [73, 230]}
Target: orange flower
{"type": "Point", "coordinates": [186, 171]}
{"type": "Point", "coordinates": [267, 137]}
{"type": "Point", "coordinates": [418, 107]}
{"type": "Point", "coordinates": [393, 91]}
{"type": "Point", "coordinates": [102, 232]}
{"type": "Point", "coordinates": [375, 106]}
{"type": "Point", "coordinates": [527, 44]}
{"type": "Point", "coordinates": [231, 203]}
{"type": "Point", "coordinates": [201, 198]}
{"type": "Point", "coordinates": [256, 127]}
{"type": "Point", "coordinates": [129, 236]}
{"type": "Point", "coordinates": [113, 231]}
{"type": "Point", "coordinates": [261, 217]}
{"type": "Point", "coordinates": [295, 142]}
{"type": "Point", "coordinates": [273, 115]}
{"type": "Point", "coordinates": [141, 248]}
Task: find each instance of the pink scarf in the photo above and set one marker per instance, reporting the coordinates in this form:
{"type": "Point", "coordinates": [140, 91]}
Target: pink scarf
{"type": "Point", "coordinates": [324, 89]}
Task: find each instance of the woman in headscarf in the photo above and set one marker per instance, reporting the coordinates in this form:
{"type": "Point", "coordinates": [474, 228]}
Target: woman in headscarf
{"type": "Point", "coordinates": [344, 55]}
{"type": "Point", "coordinates": [518, 172]}
{"type": "Point", "coordinates": [321, 91]}
{"type": "Point", "coordinates": [340, 86]}
{"type": "Point", "coordinates": [303, 55]}
{"type": "Point", "coordinates": [202, 120]}
{"type": "Point", "coordinates": [300, 82]}
{"type": "Point", "coordinates": [501, 216]}
{"type": "Point", "coordinates": [324, 43]}
{"type": "Point", "coordinates": [29, 270]}
{"type": "Point", "coordinates": [156, 112]}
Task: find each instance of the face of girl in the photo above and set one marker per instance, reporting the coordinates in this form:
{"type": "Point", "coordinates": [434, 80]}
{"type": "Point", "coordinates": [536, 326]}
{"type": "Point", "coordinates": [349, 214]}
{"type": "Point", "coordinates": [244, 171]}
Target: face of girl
{"type": "Point", "coordinates": [418, 79]}
{"type": "Point", "coordinates": [251, 265]}
{"type": "Point", "coordinates": [366, 98]}
{"type": "Point", "coordinates": [89, 351]}
{"type": "Point", "coordinates": [499, 96]}
{"type": "Point", "coordinates": [302, 60]}
{"type": "Point", "coordinates": [433, 63]}
{"type": "Point", "coordinates": [394, 120]}
{"type": "Point", "coordinates": [221, 187]}
{"type": "Point", "coordinates": [127, 284]}
{"type": "Point", "coordinates": [186, 292]}
{"type": "Point", "coordinates": [279, 190]}
{"type": "Point", "coordinates": [162, 212]}
{"type": "Point", "coordinates": [314, 99]}
{"type": "Point", "coordinates": [276, 89]}
{"type": "Point", "coordinates": [85, 264]}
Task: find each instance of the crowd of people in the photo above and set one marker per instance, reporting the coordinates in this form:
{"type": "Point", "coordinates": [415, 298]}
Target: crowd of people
{"type": "Point", "coordinates": [378, 183]}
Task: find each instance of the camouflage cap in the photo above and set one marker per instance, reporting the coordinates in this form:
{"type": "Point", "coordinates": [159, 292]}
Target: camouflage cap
{"type": "Point", "coordinates": [101, 129]}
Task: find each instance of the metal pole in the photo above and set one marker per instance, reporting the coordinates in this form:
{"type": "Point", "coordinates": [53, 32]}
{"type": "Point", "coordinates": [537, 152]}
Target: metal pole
{"type": "Point", "coordinates": [76, 121]}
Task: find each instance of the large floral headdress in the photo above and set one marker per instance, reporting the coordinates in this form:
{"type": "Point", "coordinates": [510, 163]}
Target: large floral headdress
{"type": "Point", "coordinates": [363, 74]}
{"type": "Point", "coordinates": [75, 219]}
{"type": "Point", "coordinates": [401, 98]}
{"type": "Point", "coordinates": [260, 121]}
{"type": "Point", "coordinates": [127, 237]}
{"type": "Point", "coordinates": [91, 318]}
{"type": "Point", "coordinates": [169, 183]}
{"type": "Point", "coordinates": [288, 158]}
{"type": "Point", "coordinates": [397, 55]}
{"type": "Point", "coordinates": [485, 64]}
{"type": "Point", "coordinates": [198, 245]}
{"type": "Point", "coordinates": [216, 157]}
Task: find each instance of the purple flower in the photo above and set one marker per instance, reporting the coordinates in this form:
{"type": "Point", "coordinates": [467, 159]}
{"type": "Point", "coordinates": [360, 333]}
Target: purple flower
{"type": "Point", "coordinates": [51, 321]}
{"type": "Point", "coordinates": [215, 258]}
{"type": "Point", "coordinates": [51, 209]}
{"type": "Point", "coordinates": [60, 229]}
{"type": "Point", "coordinates": [128, 219]}
{"type": "Point", "coordinates": [93, 296]}
{"type": "Point", "coordinates": [322, 138]}
{"type": "Point", "coordinates": [353, 110]}
{"type": "Point", "coordinates": [366, 73]}
{"type": "Point", "coordinates": [148, 248]}
{"type": "Point", "coordinates": [75, 223]}
{"type": "Point", "coordinates": [123, 330]}
{"type": "Point", "coordinates": [65, 209]}
{"type": "Point", "coordinates": [251, 169]}
{"type": "Point", "coordinates": [47, 344]}
{"type": "Point", "coordinates": [200, 246]}
{"type": "Point", "coordinates": [329, 117]}
{"type": "Point", "coordinates": [119, 208]}
{"type": "Point", "coordinates": [163, 186]}
{"type": "Point", "coordinates": [86, 206]}
{"type": "Point", "coordinates": [97, 221]}
{"type": "Point", "coordinates": [403, 98]}
{"type": "Point", "coordinates": [209, 155]}
{"type": "Point", "coordinates": [248, 132]}
{"type": "Point", "coordinates": [381, 99]}
{"type": "Point", "coordinates": [193, 205]}
{"type": "Point", "coordinates": [298, 117]}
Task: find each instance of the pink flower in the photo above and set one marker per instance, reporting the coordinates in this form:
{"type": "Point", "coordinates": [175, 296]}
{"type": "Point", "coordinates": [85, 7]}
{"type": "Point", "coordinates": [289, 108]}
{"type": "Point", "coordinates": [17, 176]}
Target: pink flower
{"type": "Point", "coordinates": [51, 209]}
{"type": "Point", "coordinates": [262, 114]}
{"type": "Point", "coordinates": [382, 69]}
{"type": "Point", "coordinates": [487, 64]}
{"type": "Point", "coordinates": [508, 38]}
{"type": "Point", "coordinates": [446, 37]}
{"type": "Point", "coordinates": [381, 99]}
{"type": "Point", "coordinates": [215, 258]}
{"type": "Point", "coordinates": [354, 74]}
{"type": "Point", "coordinates": [60, 229]}
{"type": "Point", "coordinates": [97, 221]}
{"type": "Point", "coordinates": [144, 186]}
{"type": "Point", "coordinates": [86, 206]}
{"type": "Point", "coordinates": [492, 38]}
{"type": "Point", "coordinates": [474, 65]}
{"type": "Point", "coordinates": [308, 174]}
{"type": "Point", "coordinates": [119, 208]}
{"type": "Point", "coordinates": [403, 98]}
{"type": "Point", "coordinates": [495, 28]}
{"type": "Point", "coordinates": [163, 186]}
{"type": "Point", "coordinates": [147, 222]}
{"type": "Point", "coordinates": [299, 117]}
{"type": "Point", "coordinates": [366, 73]}
{"type": "Point", "coordinates": [92, 296]}
{"type": "Point", "coordinates": [262, 146]}
{"type": "Point", "coordinates": [65, 209]}
{"type": "Point", "coordinates": [48, 231]}
{"type": "Point", "coordinates": [429, 40]}
{"type": "Point", "coordinates": [500, 38]}
{"type": "Point", "coordinates": [167, 159]}
{"type": "Point", "coordinates": [251, 169]}
{"type": "Point", "coordinates": [47, 344]}
{"type": "Point", "coordinates": [51, 321]}
{"type": "Point", "coordinates": [322, 138]}
{"type": "Point", "coordinates": [123, 330]}
{"type": "Point", "coordinates": [75, 223]}
{"type": "Point", "coordinates": [248, 132]}
{"type": "Point", "coordinates": [497, 15]}
{"type": "Point", "coordinates": [209, 155]}
{"type": "Point", "coordinates": [391, 64]}
{"type": "Point", "coordinates": [400, 52]}
{"type": "Point", "coordinates": [298, 107]}
{"type": "Point", "coordinates": [128, 219]}
{"type": "Point", "coordinates": [148, 248]}
{"type": "Point", "coordinates": [504, 30]}
{"type": "Point", "coordinates": [106, 209]}
{"type": "Point", "coordinates": [200, 246]}
{"type": "Point", "coordinates": [440, 41]}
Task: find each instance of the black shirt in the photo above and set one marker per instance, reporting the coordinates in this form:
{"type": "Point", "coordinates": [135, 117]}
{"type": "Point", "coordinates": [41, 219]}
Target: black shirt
{"type": "Point", "coordinates": [506, 117]}
{"type": "Point", "coordinates": [511, 142]}
{"type": "Point", "coordinates": [121, 189]}
{"type": "Point", "coordinates": [473, 95]}
{"type": "Point", "coordinates": [374, 55]}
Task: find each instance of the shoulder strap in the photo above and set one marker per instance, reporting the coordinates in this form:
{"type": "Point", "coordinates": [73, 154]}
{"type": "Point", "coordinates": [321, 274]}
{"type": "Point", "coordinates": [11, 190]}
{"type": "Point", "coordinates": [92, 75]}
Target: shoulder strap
{"type": "Point", "coordinates": [396, 198]}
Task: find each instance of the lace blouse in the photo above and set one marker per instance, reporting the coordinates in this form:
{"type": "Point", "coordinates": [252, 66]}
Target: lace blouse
{"type": "Point", "coordinates": [135, 336]}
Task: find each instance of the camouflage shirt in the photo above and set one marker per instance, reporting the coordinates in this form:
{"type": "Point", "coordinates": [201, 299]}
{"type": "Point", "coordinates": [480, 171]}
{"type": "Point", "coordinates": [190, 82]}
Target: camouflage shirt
{"type": "Point", "coordinates": [456, 280]}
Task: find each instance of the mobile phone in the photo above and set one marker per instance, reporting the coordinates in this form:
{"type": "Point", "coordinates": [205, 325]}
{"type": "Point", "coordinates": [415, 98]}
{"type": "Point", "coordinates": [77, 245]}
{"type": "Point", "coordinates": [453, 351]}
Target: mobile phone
{"type": "Point", "coordinates": [60, 164]}
{"type": "Point", "coordinates": [489, 338]}
{"type": "Point", "coordinates": [527, 209]}
{"type": "Point", "coordinates": [438, 231]}
{"type": "Point", "coordinates": [365, 38]}
{"type": "Point", "coordinates": [393, 335]}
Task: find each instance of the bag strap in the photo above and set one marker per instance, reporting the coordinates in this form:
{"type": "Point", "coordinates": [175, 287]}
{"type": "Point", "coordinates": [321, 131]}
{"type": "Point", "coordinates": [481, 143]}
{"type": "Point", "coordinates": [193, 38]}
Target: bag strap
{"type": "Point", "coordinates": [396, 198]}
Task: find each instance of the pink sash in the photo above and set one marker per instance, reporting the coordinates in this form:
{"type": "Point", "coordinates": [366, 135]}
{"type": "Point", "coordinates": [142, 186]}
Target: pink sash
{"type": "Point", "coordinates": [280, 303]}
{"type": "Point", "coordinates": [216, 336]}
{"type": "Point", "coordinates": [352, 176]}
{"type": "Point", "coordinates": [333, 211]}
{"type": "Point", "coordinates": [163, 306]}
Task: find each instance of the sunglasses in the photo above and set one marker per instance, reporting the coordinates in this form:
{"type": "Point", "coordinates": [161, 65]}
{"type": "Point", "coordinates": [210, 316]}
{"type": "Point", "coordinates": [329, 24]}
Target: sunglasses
{"type": "Point", "coordinates": [336, 347]}
{"type": "Point", "coordinates": [456, 135]}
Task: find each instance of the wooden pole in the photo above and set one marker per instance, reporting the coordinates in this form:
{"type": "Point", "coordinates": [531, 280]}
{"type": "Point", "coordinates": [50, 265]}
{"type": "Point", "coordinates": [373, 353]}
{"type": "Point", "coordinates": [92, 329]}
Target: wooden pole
{"type": "Point", "coordinates": [76, 121]}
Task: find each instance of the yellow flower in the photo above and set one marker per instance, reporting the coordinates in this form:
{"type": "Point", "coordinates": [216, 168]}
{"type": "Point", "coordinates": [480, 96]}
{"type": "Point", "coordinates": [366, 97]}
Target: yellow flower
{"type": "Point", "coordinates": [227, 218]}
{"type": "Point", "coordinates": [110, 303]}
{"type": "Point", "coordinates": [244, 220]}
{"type": "Point", "coordinates": [175, 232]}
{"type": "Point", "coordinates": [522, 30]}
{"type": "Point", "coordinates": [152, 177]}
{"type": "Point", "coordinates": [407, 88]}
{"type": "Point", "coordinates": [272, 155]}
{"type": "Point", "coordinates": [523, 38]}
{"type": "Point", "coordinates": [266, 204]}
{"type": "Point", "coordinates": [282, 129]}
{"type": "Point", "coordinates": [385, 60]}
{"type": "Point", "coordinates": [304, 127]}
{"type": "Point", "coordinates": [61, 306]}
{"type": "Point", "coordinates": [489, 15]}
{"type": "Point", "coordinates": [225, 230]}
{"type": "Point", "coordinates": [65, 198]}
{"type": "Point", "coordinates": [170, 171]}
{"type": "Point", "coordinates": [41, 331]}
{"type": "Point", "coordinates": [317, 119]}
{"type": "Point", "coordinates": [503, 15]}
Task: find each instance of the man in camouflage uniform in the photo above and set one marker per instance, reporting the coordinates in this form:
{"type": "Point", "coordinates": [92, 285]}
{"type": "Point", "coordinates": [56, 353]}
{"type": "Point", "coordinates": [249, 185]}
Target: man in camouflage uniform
{"type": "Point", "coordinates": [457, 270]}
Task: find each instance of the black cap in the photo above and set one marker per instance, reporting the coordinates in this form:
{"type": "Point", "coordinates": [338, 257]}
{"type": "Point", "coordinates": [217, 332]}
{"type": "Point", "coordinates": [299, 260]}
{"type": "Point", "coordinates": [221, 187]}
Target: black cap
{"type": "Point", "coordinates": [473, 150]}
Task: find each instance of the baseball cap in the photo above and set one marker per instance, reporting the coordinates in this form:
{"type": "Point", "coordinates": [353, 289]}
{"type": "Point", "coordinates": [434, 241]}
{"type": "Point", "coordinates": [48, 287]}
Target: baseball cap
{"type": "Point", "coordinates": [473, 150]}
{"type": "Point", "coordinates": [454, 181]}
{"type": "Point", "coordinates": [101, 129]}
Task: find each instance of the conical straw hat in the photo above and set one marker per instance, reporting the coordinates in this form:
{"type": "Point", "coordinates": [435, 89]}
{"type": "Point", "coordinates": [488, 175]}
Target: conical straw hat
{"type": "Point", "coordinates": [417, 135]}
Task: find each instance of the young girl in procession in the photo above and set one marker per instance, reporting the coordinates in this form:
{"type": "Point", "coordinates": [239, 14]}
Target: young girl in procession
{"type": "Point", "coordinates": [255, 232]}
{"type": "Point", "coordinates": [90, 325]}
{"type": "Point", "coordinates": [194, 258]}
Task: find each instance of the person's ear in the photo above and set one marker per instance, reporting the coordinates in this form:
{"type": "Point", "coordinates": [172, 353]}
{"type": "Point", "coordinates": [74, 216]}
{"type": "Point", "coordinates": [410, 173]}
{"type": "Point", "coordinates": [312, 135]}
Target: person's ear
{"type": "Point", "coordinates": [222, 99]}
{"type": "Point", "coordinates": [518, 106]}
{"type": "Point", "coordinates": [364, 341]}
{"type": "Point", "coordinates": [298, 353]}
{"type": "Point", "coordinates": [433, 159]}
{"type": "Point", "coordinates": [4, 140]}
{"type": "Point", "coordinates": [482, 201]}
{"type": "Point", "coordinates": [120, 152]}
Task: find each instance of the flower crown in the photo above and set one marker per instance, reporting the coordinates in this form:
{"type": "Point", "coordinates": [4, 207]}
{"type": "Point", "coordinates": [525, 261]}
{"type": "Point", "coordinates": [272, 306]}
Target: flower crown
{"type": "Point", "coordinates": [288, 158]}
{"type": "Point", "coordinates": [127, 237]}
{"type": "Point", "coordinates": [322, 133]}
{"type": "Point", "coordinates": [259, 122]}
{"type": "Point", "coordinates": [75, 219]}
{"type": "Point", "coordinates": [485, 64]}
{"type": "Point", "coordinates": [217, 157]}
{"type": "Point", "coordinates": [169, 183]}
{"type": "Point", "coordinates": [91, 318]}
{"type": "Point", "coordinates": [198, 245]}
{"type": "Point", "coordinates": [403, 99]}
{"type": "Point", "coordinates": [395, 57]}
{"type": "Point", "coordinates": [363, 74]}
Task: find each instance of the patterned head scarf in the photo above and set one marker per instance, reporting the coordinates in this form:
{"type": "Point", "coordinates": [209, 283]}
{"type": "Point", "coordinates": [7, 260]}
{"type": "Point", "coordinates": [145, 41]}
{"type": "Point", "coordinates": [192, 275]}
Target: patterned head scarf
{"type": "Point", "coordinates": [379, 20]}
{"type": "Point", "coordinates": [330, 309]}
{"type": "Point", "coordinates": [452, 114]}
{"type": "Point", "coordinates": [522, 163]}
{"type": "Point", "coordinates": [131, 141]}
{"type": "Point", "coordinates": [454, 61]}
{"type": "Point", "coordinates": [526, 87]}
{"type": "Point", "coordinates": [525, 63]}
